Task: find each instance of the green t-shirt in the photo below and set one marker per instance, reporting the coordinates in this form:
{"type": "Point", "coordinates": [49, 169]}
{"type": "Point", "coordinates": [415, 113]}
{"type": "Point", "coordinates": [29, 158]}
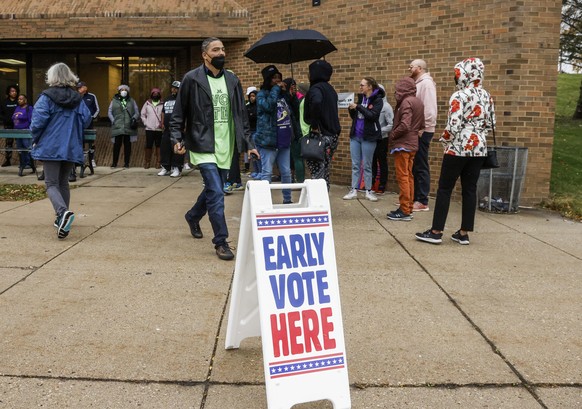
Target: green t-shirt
{"type": "Point", "coordinates": [223, 127]}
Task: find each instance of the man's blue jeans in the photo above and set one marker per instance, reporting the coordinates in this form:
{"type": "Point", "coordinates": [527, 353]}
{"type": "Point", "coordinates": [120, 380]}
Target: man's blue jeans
{"type": "Point", "coordinates": [283, 159]}
{"type": "Point", "coordinates": [211, 201]}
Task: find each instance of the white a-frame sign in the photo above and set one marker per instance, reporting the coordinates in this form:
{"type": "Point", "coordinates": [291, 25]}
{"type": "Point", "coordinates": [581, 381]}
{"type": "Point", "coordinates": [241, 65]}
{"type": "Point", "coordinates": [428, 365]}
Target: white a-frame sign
{"type": "Point", "coordinates": [286, 290]}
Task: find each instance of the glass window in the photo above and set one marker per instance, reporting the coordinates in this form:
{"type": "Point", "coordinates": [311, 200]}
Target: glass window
{"type": "Point", "coordinates": [146, 73]}
{"type": "Point", "coordinates": [12, 72]}
{"type": "Point", "coordinates": [40, 65]}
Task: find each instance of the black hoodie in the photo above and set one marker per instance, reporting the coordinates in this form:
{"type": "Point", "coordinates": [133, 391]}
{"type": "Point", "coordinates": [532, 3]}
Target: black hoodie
{"type": "Point", "coordinates": [321, 110]}
{"type": "Point", "coordinates": [64, 96]}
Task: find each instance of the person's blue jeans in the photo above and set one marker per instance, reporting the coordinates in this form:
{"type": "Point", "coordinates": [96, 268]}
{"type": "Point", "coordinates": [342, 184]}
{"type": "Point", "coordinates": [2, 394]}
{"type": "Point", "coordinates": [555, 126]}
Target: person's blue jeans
{"type": "Point", "coordinates": [362, 153]}
{"type": "Point", "coordinates": [25, 158]}
{"type": "Point", "coordinates": [283, 159]}
{"type": "Point", "coordinates": [211, 201]}
{"type": "Point", "coordinates": [421, 169]}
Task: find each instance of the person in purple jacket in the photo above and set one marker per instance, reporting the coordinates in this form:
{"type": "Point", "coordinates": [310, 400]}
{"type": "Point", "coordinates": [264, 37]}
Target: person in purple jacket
{"type": "Point", "coordinates": [21, 119]}
{"type": "Point", "coordinates": [58, 123]}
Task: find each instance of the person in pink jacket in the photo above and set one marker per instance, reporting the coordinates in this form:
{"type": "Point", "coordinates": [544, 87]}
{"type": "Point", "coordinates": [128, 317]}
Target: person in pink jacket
{"type": "Point", "coordinates": [151, 116]}
{"type": "Point", "coordinates": [403, 143]}
{"type": "Point", "coordinates": [426, 92]}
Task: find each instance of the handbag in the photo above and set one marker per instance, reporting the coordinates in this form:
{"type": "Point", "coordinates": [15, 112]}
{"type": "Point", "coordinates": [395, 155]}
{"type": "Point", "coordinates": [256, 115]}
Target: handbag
{"type": "Point", "coordinates": [491, 161]}
{"type": "Point", "coordinates": [134, 123]}
{"type": "Point", "coordinates": [313, 147]}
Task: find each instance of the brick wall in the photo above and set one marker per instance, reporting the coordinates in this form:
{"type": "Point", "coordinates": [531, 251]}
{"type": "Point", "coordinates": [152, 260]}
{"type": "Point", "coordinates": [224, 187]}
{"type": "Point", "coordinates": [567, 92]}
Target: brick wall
{"type": "Point", "coordinates": [518, 42]}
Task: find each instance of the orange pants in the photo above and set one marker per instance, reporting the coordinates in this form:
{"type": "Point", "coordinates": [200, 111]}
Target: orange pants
{"type": "Point", "coordinates": [403, 163]}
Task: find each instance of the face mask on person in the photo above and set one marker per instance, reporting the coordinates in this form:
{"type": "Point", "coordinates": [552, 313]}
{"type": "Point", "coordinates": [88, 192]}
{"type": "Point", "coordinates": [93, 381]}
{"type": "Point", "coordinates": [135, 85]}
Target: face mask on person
{"type": "Point", "coordinates": [156, 97]}
{"type": "Point", "coordinates": [123, 94]}
{"type": "Point", "coordinates": [217, 62]}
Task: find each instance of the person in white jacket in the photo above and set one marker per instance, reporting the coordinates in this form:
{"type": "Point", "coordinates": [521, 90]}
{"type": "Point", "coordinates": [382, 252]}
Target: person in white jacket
{"type": "Point", "coordinates": [151, 116]}
{"type": "Point", "coordinates": [426, 92]}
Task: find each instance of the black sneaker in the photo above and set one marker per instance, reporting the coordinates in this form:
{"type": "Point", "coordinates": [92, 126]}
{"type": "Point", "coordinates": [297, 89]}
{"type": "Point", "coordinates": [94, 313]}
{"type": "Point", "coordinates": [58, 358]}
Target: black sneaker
{"type": "Point", "coordinates": [195, 230]}
{"type": "Point", "coordinates": [399, 215]}
{"type": "Point", "coordinates": [65, 224]}
{"type": "Point", "coordinates": [460, 238]}
{"type": "Point", "coordinates": [224, 252]}
{"type": "Point", "coordinates": [430, 237]}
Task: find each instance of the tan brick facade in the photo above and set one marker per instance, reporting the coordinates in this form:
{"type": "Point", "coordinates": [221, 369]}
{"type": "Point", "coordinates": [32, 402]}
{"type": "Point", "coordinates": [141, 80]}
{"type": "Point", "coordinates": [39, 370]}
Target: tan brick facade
{"type": "Point", "coordinates": [518, 42]}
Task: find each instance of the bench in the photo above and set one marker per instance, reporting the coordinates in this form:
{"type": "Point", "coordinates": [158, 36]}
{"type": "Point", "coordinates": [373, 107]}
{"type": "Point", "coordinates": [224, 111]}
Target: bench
{"type": "Point", "coordinates": [89, 137]}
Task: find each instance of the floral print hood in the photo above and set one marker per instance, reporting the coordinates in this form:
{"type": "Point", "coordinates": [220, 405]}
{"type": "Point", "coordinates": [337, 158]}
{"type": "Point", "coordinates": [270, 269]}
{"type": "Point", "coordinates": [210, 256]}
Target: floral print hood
{"type": "Point", "coordinates": [471, 112]}
{"type": "Point", "coordinates": [469, 73]}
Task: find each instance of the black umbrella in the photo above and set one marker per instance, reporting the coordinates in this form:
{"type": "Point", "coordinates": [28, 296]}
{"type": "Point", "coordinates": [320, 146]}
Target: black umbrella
{"type": "Point", "coordinates": [289, 46]}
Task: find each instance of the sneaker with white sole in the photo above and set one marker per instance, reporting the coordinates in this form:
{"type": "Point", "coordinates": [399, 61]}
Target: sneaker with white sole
{"type": "Point", "coordinates": [371, 196]}
{"type": "Point", "coordinates": [352, 194]}
{"type": "Point", "coordinates": [460, 238]}
{"type": "Point", "coordinates": [399, 215]}
{"type": "Point", "coordinates": [419, 207]}
{"type": "Point", "coordinates": [430, 237]}
{"type": "Point", "coordinates": [187, 166]}
{"type": "Point", "coordinates": [65, 223]}
{"type": "Point", "coordinates": [175, 172]}
{"type": "Point", "coordinates": [163, 172]}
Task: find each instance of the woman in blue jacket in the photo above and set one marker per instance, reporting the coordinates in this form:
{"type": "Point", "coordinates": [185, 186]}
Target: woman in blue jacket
{"type": "Point", "coordinates": [57, 128]}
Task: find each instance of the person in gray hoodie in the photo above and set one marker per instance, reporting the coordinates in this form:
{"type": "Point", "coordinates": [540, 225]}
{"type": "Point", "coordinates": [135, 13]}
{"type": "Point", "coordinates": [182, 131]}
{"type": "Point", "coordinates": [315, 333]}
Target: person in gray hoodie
{"type": "Point", "coordinates": [381, 153]}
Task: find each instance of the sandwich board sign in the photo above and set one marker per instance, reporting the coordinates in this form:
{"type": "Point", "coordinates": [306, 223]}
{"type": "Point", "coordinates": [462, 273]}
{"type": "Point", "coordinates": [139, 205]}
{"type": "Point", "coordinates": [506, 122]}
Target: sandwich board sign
{"type": "Point", "coordinates": [285, 290]}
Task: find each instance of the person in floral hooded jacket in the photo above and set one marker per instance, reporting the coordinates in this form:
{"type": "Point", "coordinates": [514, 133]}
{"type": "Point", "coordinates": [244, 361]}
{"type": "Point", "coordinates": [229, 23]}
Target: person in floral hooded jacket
{"type": "Point", "coordinates": [471, 116]}
{"type": "Point", "coordinates": [471, 112]}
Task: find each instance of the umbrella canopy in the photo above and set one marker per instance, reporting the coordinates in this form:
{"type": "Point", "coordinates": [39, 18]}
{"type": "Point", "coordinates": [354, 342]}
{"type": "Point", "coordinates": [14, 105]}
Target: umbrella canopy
{"type": "Point", "coordinates": [289, 46]}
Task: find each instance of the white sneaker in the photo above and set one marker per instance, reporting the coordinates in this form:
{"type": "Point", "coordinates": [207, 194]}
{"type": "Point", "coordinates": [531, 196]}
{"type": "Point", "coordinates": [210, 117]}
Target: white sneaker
{"type": "Point", "coordinates": [371, 196]}
{"type": "Point", "coordinates": [351, 195]}
{"type": "Point", "coordinates": [175, 173]}
{"type": "Point", "coordinates": [187, 166]}
{"type": "Point", "coordinates": [93, 163]}
{"type": "Point", "coordinates": [163, 172]}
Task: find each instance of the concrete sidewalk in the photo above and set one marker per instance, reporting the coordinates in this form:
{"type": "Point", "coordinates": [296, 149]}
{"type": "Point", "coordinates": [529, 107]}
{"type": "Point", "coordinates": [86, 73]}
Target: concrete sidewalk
{"type": "Point", "coordinates": [130, 311]}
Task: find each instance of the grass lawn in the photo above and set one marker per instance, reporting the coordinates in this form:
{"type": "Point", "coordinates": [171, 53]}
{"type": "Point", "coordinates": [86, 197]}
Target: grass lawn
{"type": "Point", "coordinates": [26, 193]}
{"type": "Point", "coordinates": [566, 179]}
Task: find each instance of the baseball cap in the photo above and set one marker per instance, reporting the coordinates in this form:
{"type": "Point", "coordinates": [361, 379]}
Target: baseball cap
{"type": "Point", "coordinates": [176, 84]}
{"type": "Point", "coordinates": [81, 84]}
{"type": "Point", "coordinates": [251, 89]}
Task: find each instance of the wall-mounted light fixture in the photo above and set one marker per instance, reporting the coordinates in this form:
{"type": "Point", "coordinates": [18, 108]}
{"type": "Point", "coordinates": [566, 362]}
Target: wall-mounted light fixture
{"type": "Point", "coordinates": [315, 3]}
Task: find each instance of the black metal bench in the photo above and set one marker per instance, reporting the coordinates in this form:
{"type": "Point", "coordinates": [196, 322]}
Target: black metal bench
{"type": "Point", "coordinates": [89, 137]}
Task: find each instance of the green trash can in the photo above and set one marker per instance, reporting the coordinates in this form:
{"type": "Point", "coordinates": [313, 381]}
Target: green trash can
{"type": "Point", "coordinates": [499, 190]}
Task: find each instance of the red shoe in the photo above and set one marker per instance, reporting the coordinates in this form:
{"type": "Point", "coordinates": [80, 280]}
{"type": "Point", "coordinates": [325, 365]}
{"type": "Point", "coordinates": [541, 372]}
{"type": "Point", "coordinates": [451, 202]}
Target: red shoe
{"type": "Point", "coordinates": [419, 207]}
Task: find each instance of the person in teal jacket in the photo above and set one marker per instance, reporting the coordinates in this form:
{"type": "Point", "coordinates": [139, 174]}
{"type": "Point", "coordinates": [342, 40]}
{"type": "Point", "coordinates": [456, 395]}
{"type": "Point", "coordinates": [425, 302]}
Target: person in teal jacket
{"type": "Point", "coordinates": [58, 123]}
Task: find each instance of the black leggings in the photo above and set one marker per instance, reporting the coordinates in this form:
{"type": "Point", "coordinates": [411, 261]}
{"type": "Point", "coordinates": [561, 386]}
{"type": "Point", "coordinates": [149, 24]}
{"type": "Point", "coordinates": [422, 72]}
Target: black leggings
{"type": "Point", "coordinates": [153, 137]}
{"type": "Point", "coordinates": [119, 139]}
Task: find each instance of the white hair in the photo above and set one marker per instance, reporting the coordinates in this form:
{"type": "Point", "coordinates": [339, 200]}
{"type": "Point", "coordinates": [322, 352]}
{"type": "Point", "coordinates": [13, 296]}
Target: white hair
{"type": "Point", "coordinates": [60, 75]}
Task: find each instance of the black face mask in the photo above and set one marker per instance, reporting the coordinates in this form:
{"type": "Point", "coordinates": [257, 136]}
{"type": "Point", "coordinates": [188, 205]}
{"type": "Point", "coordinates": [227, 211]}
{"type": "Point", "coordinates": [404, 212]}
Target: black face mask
{"type": "Point", "coordinates": [217, 62]}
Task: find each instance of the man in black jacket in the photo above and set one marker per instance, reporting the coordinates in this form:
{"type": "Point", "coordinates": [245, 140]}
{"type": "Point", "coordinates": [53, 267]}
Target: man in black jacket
{"type": "Point", "coordinates": [210, 111]}
{"type": "Point", "coordinates": [321, 113]}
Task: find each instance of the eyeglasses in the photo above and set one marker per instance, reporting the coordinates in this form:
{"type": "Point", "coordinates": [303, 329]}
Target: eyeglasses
{"type": "Point", "coordinates": [363, 85]}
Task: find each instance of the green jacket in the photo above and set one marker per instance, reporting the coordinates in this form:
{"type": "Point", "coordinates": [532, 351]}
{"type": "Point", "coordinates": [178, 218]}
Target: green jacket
{"type": "Point", "coordinates": [120, 116]}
